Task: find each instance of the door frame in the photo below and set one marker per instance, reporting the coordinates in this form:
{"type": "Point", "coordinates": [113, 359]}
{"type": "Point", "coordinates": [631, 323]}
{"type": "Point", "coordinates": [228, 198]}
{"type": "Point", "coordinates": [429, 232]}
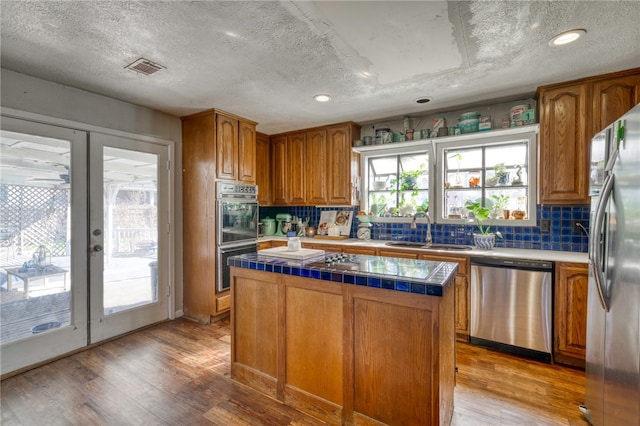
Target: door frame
{"type": "Point", "coordinates": [174, 279]}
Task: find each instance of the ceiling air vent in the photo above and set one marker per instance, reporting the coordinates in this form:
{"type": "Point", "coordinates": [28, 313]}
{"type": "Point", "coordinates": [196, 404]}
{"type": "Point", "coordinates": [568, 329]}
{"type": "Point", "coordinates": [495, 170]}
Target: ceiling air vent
{"type": "Point", "coordinates": [144, 66]}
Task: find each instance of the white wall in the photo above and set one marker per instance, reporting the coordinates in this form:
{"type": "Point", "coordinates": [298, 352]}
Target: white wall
{"type": "Point", "coordinates": [86, 110]}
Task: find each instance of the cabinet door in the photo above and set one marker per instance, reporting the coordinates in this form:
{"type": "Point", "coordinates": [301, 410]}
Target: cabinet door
{"type": "Point", "coordinates": [226, 147]}
{"type": "Point", "coordinates": [263, 169]}
{"type": "Point", "coordinates": [279, 188]}
{"type": "Point", "coordinates": [296, 168]}
{"type": "Point", "coordinates": [612, 98]}
{"type": "Point", "coordinates": [339, 165]}
{"type": "Point", "coordinates": [246, 152]}
{"type": "Point", "coordinates": [316, 167]}
{"type": "Point", "coordinates": [564, 155]}
{"type": "Point", "coordinates": [570, 323]}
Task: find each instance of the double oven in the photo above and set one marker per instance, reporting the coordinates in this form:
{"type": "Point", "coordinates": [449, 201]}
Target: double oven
{"type": "Point", "coordinates": [236, 226]}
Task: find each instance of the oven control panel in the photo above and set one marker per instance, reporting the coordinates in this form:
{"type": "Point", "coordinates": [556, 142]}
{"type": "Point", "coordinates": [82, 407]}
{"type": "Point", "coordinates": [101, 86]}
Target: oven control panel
{"type": "Point", "coordinates": [231, 189]}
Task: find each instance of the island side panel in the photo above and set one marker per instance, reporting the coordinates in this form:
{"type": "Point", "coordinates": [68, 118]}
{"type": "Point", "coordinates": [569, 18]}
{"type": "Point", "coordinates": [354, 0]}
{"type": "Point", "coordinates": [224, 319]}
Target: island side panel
{"type": "Point", "coordinates": [446, 343]}
{"type": "Point", "coordinates": [394, 354]}
{"type": "Point", "coordinates": [314, 347]}
{"type": "Point", "coordinates": [254, 325]}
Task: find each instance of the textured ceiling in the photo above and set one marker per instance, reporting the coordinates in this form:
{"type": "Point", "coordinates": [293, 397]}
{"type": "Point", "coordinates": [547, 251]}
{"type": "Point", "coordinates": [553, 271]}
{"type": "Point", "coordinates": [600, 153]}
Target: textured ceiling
{"type": "Point", "coordinates": [265, 60]}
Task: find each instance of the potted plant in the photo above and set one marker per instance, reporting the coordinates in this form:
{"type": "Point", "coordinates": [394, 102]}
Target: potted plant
{"type": "Point", "coordinates": [483, 239]}
{"type": "Point", "coordinates": [500, 202]}
{"type": "Point", "coordinates": [499, 176]}
{"type": "Point", "coordinates": [407, 184]}
{"type": "Point", "coordinates": [378, 204]}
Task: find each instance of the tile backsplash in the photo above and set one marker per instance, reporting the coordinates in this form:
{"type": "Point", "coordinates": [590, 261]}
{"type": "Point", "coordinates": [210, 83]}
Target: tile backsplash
{"type": "Point", "coordinates": [560, 236]}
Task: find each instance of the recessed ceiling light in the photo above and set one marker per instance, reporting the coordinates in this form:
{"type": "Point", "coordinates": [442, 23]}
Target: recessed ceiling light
{"type": "Point", "coordinates": [423, 100]}
{"type": "Point", "coordinates": [322, 97]}
{"type": "Point", "coordinates": [566, 37]}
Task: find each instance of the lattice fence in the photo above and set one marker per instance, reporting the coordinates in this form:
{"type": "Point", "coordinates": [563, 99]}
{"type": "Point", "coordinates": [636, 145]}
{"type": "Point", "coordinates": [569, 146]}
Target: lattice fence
{"type": "Point", "coordinates": [38, 215]}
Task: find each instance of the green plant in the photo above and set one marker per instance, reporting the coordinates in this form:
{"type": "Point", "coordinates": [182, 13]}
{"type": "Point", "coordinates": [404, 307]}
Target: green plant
{"type": "Point", "coordinates": [378, 204]}
{"type": "Point", "coordinates": [405, 182]}
{"type": "Point", "coordinates": [500, 201]}
{"type": "Point", "coordinates": [500, 169]}
{"type": "Point", "coordinates": [480, 214]}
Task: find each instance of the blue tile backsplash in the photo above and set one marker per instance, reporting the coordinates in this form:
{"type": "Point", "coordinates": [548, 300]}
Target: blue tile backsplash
{"type": "Point", "coordinates": [560, 237]}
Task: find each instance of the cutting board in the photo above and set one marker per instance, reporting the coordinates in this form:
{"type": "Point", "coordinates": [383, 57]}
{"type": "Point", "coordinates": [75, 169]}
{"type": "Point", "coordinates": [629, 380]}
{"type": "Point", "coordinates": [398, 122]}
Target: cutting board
{"type": "Point", "coordinates": [284, 252]}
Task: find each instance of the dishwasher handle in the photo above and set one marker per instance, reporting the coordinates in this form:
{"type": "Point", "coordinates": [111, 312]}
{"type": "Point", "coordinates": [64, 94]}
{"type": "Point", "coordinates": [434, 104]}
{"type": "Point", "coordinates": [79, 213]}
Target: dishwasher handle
{"type": "Point", "coordinates": [496, 262]}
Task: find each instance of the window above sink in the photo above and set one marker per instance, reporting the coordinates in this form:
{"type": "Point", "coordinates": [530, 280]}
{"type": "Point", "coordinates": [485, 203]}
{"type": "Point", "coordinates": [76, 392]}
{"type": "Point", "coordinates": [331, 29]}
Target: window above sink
{"type": "Point", "coordinates": [496, 168]}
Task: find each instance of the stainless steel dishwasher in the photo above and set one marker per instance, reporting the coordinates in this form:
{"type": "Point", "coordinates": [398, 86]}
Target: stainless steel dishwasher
{"type": "Point", "coordinates": [511, 308]}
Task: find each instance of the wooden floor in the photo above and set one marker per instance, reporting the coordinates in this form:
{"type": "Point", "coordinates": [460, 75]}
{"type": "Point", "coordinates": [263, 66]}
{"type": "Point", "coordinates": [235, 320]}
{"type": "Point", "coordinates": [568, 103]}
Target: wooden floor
{"type": "Point", "coordinates": [177, 373]}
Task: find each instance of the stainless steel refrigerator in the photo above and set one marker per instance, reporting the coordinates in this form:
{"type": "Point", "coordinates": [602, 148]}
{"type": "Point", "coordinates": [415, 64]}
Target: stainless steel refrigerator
{"type": "Point", "coordinates": [613, 307]}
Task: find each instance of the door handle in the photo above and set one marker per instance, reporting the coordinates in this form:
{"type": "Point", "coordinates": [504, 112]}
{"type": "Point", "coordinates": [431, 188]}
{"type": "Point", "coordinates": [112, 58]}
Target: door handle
{"type": "Point", "coordinates": [97, 248]}
{"type": "Point", "coordinates": [596, 249]}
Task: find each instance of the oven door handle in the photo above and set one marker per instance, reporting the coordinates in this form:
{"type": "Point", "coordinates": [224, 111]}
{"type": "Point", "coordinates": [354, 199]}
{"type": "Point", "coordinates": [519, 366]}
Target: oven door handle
{"type": "Point", "coordinates": [227, 247]}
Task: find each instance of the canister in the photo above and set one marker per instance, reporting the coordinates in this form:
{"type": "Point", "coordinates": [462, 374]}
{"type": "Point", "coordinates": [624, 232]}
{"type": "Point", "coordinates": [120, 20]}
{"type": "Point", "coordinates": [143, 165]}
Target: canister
{"type": "Point", "coordinates": [383, 135]}
{"type": "Point", "coordinates": [269, 226]}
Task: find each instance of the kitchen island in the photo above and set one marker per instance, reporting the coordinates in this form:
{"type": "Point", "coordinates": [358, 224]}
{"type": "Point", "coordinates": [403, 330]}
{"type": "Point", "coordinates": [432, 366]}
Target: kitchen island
{"type": "Point", "coordinates": [356, 340]}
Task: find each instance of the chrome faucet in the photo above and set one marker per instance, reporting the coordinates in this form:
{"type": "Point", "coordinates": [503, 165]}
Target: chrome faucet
{"type": "Point", "coordinates": [426, 216]}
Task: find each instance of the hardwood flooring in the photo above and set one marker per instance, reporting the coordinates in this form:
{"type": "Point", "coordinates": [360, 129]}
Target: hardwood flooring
{"type": "Point", "coordinates": [177, 373]}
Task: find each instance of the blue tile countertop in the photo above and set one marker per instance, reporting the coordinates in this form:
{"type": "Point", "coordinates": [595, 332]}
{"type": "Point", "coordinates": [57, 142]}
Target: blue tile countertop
{"type": "Point", "coordinates": [406, 275]}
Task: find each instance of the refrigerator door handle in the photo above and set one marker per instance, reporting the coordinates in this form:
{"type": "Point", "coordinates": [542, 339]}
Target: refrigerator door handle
{"type": "Point", "coordinates": [596, 249]}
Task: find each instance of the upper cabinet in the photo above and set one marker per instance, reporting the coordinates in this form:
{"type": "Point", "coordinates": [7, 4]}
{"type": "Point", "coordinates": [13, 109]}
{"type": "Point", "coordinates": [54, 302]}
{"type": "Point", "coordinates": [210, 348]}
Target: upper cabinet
{"type": "Point", "coordinates": [564, 158]}
{"type": "Point", "coordinates": [234, 140]}
{"type": "Point", "coordinates": [612, 98]}
{"type": "Point", "coordinates": [570, 114]}
{"type": "Point", "coordinates": [263, 169]}
{"type": "Point", "coordinates": [342, 182]}
{"type": "Point", "coordinates": [314, 167]}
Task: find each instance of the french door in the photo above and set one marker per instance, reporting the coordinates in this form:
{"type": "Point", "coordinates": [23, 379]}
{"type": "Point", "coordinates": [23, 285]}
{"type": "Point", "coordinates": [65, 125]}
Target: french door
{"type": "Point", "coordinates": [84, 231]}
{"type": "Point", "coordinates": [128, 231]}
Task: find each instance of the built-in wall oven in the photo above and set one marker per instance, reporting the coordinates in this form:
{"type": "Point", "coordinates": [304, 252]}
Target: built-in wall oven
{"type": "Point", "coordinates": [236, 226]}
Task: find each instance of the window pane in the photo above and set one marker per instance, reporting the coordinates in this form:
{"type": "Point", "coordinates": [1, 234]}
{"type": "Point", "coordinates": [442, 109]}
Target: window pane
{"type": "Point", "coordinates": [403, 193]}
{"type": "Point", "coordinates": [494, 176]}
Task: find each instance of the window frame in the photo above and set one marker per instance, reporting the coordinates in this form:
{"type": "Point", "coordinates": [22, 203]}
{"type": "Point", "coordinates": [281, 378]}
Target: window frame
{"type": "Point", "coordinates": [436, 170]}
{"type": "Point", "coordinates": [396, 149]}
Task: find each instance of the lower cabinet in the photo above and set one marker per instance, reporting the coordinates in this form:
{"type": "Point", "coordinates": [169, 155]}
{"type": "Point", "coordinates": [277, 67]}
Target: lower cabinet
{"type": "Point", "coordinates": [334, 351]}
{"type": "Point", "coordinates": [570, 316]}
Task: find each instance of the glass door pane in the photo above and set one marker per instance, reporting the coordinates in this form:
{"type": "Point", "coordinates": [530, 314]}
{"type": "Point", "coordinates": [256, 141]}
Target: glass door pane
{"type": "Point", "coordinates": [42, 242]}
{"type": "Point", "coordinates": [130, 229]}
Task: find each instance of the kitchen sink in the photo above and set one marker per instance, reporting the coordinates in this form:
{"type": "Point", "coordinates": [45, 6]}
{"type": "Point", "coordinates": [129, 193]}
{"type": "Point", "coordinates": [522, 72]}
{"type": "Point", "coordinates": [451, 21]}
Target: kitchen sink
{"type": "Point", "coordinates": [423, 246]}
{"type": "Point", "coordinates": [452, 247]}
{"type": "Point", "coordinates": [405, 244]}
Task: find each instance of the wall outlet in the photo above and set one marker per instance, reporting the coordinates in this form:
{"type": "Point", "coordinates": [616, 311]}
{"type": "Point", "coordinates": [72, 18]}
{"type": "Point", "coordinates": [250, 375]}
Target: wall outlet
{"type": "Point", "coordinates": [544, 225]}
{"type": "Point", "coordinates": [575, 225]}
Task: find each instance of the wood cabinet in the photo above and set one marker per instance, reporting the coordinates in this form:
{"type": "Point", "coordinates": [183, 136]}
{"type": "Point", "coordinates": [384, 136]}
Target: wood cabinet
{"type": "Point", "coordinates": [612, 98]}
{"type": "Point", "coordinates": [341, 181]}
{"type": "Point", "coordinates": [315, 166]}
{"type": "Point", "coordinates": [564, 156]}
{"type": "Point", "coordinates": [334, 351]}
{"type": "Point", "coordinates": [235, 148]}
{"type": "Point", "coordinates": [296, 183]}
{"type": "Point", "coordinates": [263, 169]}
{"type": "Point", "coordinates": [570, 316]}
{"type": "Point", "coordinates": [211, 144]}
{"type": "Point", "coordinates": [279, 172]}
{"type": "Point", "coordinates": [571, 114]}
